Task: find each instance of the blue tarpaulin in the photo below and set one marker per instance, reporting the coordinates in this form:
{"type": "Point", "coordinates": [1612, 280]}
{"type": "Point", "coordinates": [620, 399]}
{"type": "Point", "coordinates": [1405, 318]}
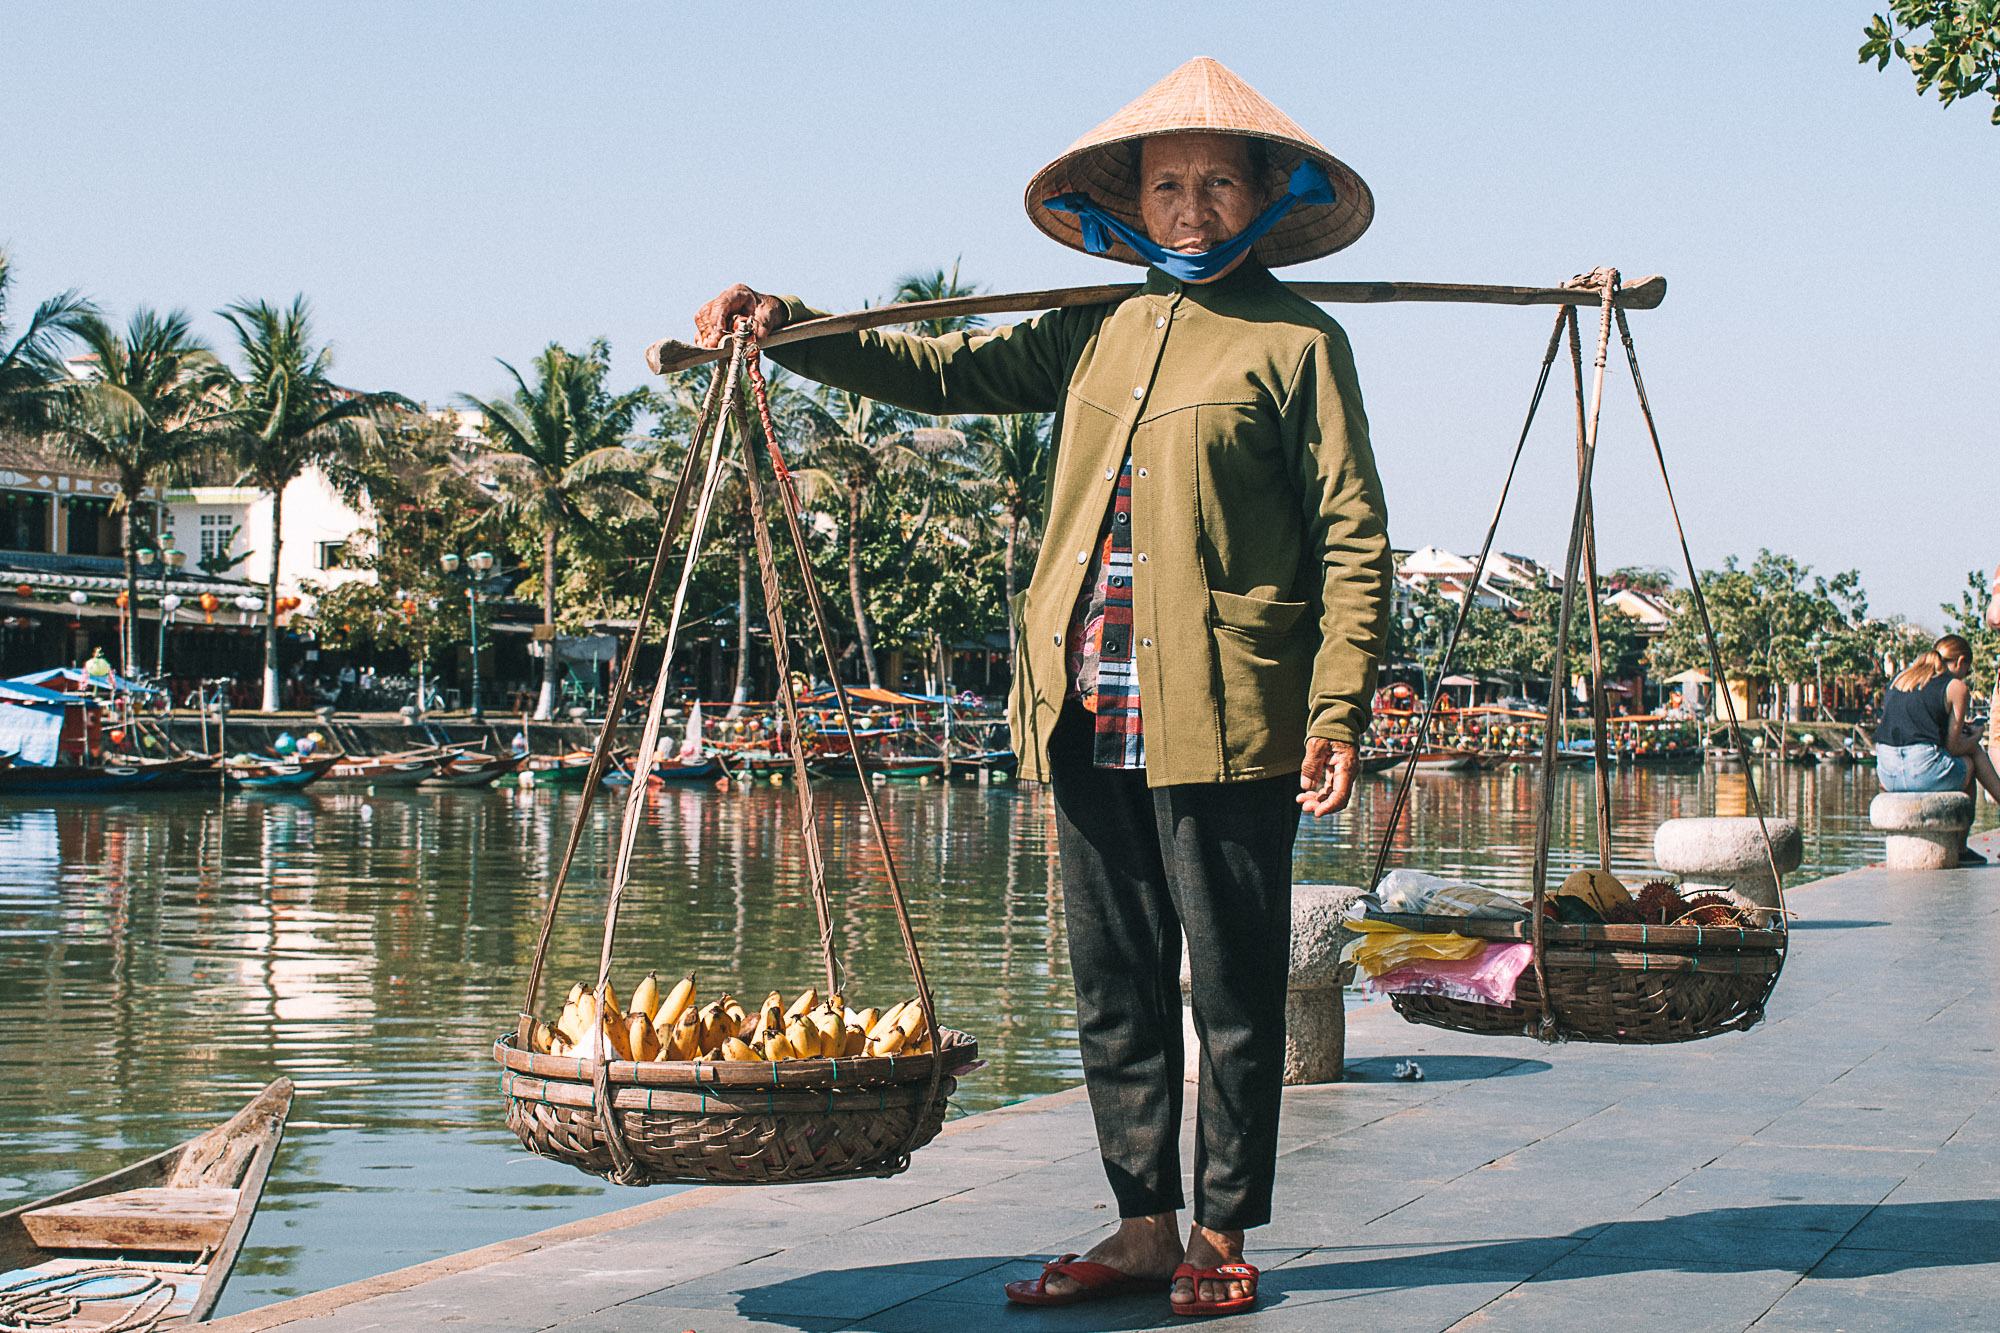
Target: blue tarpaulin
{"type": "Point", "coordinates": [73, 677]}
{"type": "Point", "coordinates": [30, 728]}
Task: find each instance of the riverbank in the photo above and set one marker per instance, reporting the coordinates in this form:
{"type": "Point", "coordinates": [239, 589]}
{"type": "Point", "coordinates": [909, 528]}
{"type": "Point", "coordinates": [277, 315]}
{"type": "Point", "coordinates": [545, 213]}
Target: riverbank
{"type": "Point", "coordinates": [1838, 1166]}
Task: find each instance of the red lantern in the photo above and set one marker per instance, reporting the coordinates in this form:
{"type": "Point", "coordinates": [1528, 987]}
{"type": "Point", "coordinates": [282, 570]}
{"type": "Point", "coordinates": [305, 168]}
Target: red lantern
{"type": "Point", "coordinates": [24, 590]}
{"type": "Point", "coordinates": [121, 601]}
{"type": "Point", "coordinates": [209, 601]}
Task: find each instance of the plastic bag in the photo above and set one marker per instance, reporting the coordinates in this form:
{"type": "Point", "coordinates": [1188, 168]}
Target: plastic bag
{"type": "Point", "coordinates": [1488, 978]}
{"type": "Point", "coordinates": [1419, 894]}
{"type": "Point", "coordinates": [1383, 947]}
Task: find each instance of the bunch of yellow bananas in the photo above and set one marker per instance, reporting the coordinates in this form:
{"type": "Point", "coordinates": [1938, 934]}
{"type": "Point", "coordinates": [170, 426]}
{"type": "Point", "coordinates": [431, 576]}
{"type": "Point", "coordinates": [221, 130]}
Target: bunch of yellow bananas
{"type": "Point", "coordinates": [674, 1028]}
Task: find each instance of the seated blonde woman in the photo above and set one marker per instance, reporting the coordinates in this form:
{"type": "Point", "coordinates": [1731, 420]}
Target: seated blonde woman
{"type": "Point", "coordinates": [1924, 742]}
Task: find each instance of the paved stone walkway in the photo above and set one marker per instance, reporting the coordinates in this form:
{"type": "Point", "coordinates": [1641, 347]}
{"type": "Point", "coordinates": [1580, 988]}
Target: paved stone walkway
{"type": "Point", "coordinates": [1836, 1168]}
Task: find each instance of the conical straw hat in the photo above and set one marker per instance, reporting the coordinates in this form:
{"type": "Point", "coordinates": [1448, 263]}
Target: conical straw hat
{"type": "Point", "coordinates": [1201, 95]}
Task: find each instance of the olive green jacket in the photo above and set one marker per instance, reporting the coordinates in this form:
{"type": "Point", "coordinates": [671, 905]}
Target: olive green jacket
{"type": "Point", "coordinates": [1261, 567]}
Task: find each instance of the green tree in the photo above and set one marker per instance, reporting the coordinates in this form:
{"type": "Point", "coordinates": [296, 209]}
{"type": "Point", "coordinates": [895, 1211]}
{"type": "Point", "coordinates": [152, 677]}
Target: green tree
{"type": "Point", "coordinates": [1952, 45]}
{"type": "Point", "coordinates": [144, 413]}
{"type": "Point", "coordinates": [31, 365]}
{"type": "Point", "coordinates": [422, 501]}
{"type": "Point", "coordinates": [857, 445]}
{"type": "Point", "coordinates": [560, 450]}
{"type": "Point", "coordinates": [286, 414]}
{"type": "Point", "coordinates": [1775, 622]}
{"type": "Point", "coordinates": [1967, 618]}
{"type": "Point", "coordinates": [1017, 456]}
{"type": "Point", "coordinates": [937, 285]}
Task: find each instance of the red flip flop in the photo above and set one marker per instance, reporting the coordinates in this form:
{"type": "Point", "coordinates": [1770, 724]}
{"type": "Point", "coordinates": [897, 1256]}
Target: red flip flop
{"type": "Point", "coordinates": [1097, 1281]}
{"type": "Point", "coordinates": [1219, 1273]}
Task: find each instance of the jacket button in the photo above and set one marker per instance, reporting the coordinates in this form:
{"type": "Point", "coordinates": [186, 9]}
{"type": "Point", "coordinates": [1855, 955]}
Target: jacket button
{"type": "Point", "coordinates": [1160, 323]}
{"type": "Point", "coordinates": [1082, 557]}
{"type": "Point", "coordinates": [1139, 391]}
{"type": "Point", "coordinates": [1058, 639]}
{"type": "Point", "coordinates": [1142, 557]}
{"type": "Point", "coordinates": [1109, 473]}
{"type": "Point", "coordinates": [1142, 472]}
{"type": "Point", "coordinates": [1145, 643]}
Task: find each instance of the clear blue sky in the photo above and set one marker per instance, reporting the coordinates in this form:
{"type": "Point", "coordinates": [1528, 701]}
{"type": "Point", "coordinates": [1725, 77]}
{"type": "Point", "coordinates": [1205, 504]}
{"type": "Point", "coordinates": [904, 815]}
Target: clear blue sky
{"type": "Point", "coordinates": [454, 183]}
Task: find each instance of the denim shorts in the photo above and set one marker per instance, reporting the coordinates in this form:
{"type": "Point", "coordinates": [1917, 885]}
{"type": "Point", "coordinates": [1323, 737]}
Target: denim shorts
{"type": "Point", "coordinates": [1921, 767]}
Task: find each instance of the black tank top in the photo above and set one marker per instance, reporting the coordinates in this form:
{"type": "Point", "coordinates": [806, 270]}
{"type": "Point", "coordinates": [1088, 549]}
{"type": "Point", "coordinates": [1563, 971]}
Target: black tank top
{"type": "Point", "coordinates": [1916, 717]}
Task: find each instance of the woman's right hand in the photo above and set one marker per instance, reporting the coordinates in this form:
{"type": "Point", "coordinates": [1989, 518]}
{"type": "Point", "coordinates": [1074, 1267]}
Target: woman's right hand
{"type": "Point", "coordinates": [716, 320]}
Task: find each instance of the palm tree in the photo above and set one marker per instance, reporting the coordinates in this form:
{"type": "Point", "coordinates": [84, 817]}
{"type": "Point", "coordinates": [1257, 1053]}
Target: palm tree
{"type": "Point", "coordinates": [142, 413]}
{"type": "Point", "coordinates": [1016, 457]}
{"type": "Point", "coordinates": [859, 446]}
{"type": "Point", "coordinates": [32, 362]}
{"type": "Point", "coordinates": [792, 412]}
{"type": "Point", "coordinates": [937, 285]}
{"type": "Point", "coordinates": [286, 415]}
{"type": "Point", "coordinates": [560, 454]}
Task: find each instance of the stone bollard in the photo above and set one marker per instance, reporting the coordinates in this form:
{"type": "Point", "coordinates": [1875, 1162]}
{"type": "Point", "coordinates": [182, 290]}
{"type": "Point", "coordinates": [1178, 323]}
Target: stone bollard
{"type": "Point", "coordinates": [1925, 829]}
{"type": "Point", "coordinates": [1315, 1012]}
{"type": "Point", "coordinates": [1727, 854]}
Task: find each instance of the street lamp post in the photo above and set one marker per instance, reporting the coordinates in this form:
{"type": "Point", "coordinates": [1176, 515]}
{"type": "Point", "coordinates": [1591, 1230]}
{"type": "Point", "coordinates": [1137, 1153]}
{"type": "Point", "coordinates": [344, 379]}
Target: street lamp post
{"type": "Point", "coordinates": [480, 564]}
{"type": "Point", "coordinates": [161, 565]}
{"type": "Point", "coordinates": [147, 558]}
{"type": "Point", "coordinates": [1423, 646]}
{"type": "Point", "coordinates": [173, 560]}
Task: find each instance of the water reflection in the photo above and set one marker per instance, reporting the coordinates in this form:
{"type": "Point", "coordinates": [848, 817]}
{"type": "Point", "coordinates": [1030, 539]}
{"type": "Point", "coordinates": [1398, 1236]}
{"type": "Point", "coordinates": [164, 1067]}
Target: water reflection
{"type": "Point", "coordinates": [164, 959]}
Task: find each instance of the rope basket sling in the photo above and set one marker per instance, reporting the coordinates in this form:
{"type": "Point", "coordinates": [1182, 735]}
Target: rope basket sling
{"type": "Point", "coordinates": [728, 1122]}
{"type": "Point", "coordinates": [1622, 984]}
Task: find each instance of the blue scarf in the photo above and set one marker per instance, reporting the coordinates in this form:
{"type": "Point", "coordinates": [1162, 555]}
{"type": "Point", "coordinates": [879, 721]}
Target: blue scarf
{"type": "Point", "coordinates": [1309, 185]}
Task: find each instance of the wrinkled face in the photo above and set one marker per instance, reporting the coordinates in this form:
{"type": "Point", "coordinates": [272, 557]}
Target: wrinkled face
{"type": "Point", "coordinates": [1197, 190]}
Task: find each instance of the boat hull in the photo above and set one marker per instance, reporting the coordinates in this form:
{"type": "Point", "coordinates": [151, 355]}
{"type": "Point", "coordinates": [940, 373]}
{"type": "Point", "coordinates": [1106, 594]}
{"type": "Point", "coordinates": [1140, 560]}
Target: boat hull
{"type": "Point", "coordinates": [234, 1158]}
{"type": "Point", "coordinates": [280, 775]}
{"type": "Point", "coordinates": [82, 780]}
{"type": "Point", "coordinates": [469, 771]}
{"type": "Point", "coordinates": [355, 774]}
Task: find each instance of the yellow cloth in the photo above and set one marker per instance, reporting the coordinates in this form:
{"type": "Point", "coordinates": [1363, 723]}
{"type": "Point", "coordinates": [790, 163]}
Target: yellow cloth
{"type": "Point", "coordinates": [1384, 947]}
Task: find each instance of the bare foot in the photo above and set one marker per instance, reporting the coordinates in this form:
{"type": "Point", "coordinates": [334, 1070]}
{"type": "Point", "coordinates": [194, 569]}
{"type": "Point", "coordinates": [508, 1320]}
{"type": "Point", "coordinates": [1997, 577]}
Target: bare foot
{"type": "Point", "coordinates": [1141, 1247]}
{"type": "Point", "coordinates": [1210, 1249]}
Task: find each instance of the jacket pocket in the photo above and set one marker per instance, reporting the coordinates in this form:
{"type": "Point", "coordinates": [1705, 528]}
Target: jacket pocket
{"type": "Point", "coordinates": [1253, 615]}
{"type": "Point", "coordinates": [1263, 671]}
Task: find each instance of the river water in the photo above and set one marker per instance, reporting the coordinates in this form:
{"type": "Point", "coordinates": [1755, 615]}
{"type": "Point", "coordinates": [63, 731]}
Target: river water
{"type": "Point", "coordinates": [162, 959]}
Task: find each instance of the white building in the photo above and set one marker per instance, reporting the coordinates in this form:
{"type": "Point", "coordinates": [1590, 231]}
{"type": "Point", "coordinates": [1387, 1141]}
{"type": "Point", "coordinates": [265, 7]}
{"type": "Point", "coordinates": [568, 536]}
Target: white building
{"type": "Point", "coordinates": [316, 527]}
{"type": "Point", "coordinates": [1505, 579]}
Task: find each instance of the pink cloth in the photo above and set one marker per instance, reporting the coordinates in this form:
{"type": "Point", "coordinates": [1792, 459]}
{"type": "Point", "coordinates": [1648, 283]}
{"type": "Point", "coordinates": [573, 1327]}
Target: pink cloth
{"type": "Point", "coordinates": [1487, 977]}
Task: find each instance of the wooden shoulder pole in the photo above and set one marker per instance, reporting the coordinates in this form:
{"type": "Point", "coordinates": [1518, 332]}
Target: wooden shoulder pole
{"type": "Point", "coordinates": [667, 355]}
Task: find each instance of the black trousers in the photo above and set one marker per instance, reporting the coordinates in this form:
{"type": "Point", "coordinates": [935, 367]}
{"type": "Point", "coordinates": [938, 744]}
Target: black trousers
{"type": "Point", "coordinates": [1140, 867]}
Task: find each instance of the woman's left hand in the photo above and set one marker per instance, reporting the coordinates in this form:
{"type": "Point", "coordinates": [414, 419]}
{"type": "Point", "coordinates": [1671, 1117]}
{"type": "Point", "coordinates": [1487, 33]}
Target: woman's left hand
{"type": "Point", "coordinates": [1326, 779]}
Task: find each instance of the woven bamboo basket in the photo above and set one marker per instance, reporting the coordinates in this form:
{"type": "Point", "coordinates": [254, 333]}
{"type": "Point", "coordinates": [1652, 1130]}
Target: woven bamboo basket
{"type": "Point", "coordinates": [729, 1122]}
{"type": "Point", "coordinates": [1625, 985]}
{"type": "Point", "coordinates": [734, 1122]}
{"type": "Point", "coordinates": [1603, 983]}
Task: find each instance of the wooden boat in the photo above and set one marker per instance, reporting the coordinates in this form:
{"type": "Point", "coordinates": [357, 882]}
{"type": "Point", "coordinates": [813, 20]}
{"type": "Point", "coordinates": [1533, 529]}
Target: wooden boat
{"type": "Point", "coordinates": [563, 770]}
{"type": "Point", "coordinates": [471, 769]}
{"type": "Point", "coordinates": [900, 768]}
{"type": "Point", "coordinates": [79, 779]}
{"type": "Point", "coordinates": [1446, 761]}
{"type": "Point", "coordinates": [684, 770]}
{"type": "Point", "coordinates": [185, 772]}
{"type": "Point", "coordinates": [386, 770]}
{"type": "Point", "coordinates": [991, 761]}
{"type": "Point", "coordinates": [147, 1247]}
{"type": "Point", "coordinates": [275, 774]}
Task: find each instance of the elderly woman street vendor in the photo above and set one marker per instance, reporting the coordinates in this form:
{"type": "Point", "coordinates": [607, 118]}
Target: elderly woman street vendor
{"type": "Point", "coordinates": [1199, 638]}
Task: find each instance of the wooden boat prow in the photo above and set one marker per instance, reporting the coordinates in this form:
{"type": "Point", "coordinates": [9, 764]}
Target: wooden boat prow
{"type": "Point", "coordinates": [179, 1216]}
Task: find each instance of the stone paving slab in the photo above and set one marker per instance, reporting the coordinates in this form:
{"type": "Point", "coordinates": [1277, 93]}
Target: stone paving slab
{"type": "Point", "coordinates": [1836, 1168]}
